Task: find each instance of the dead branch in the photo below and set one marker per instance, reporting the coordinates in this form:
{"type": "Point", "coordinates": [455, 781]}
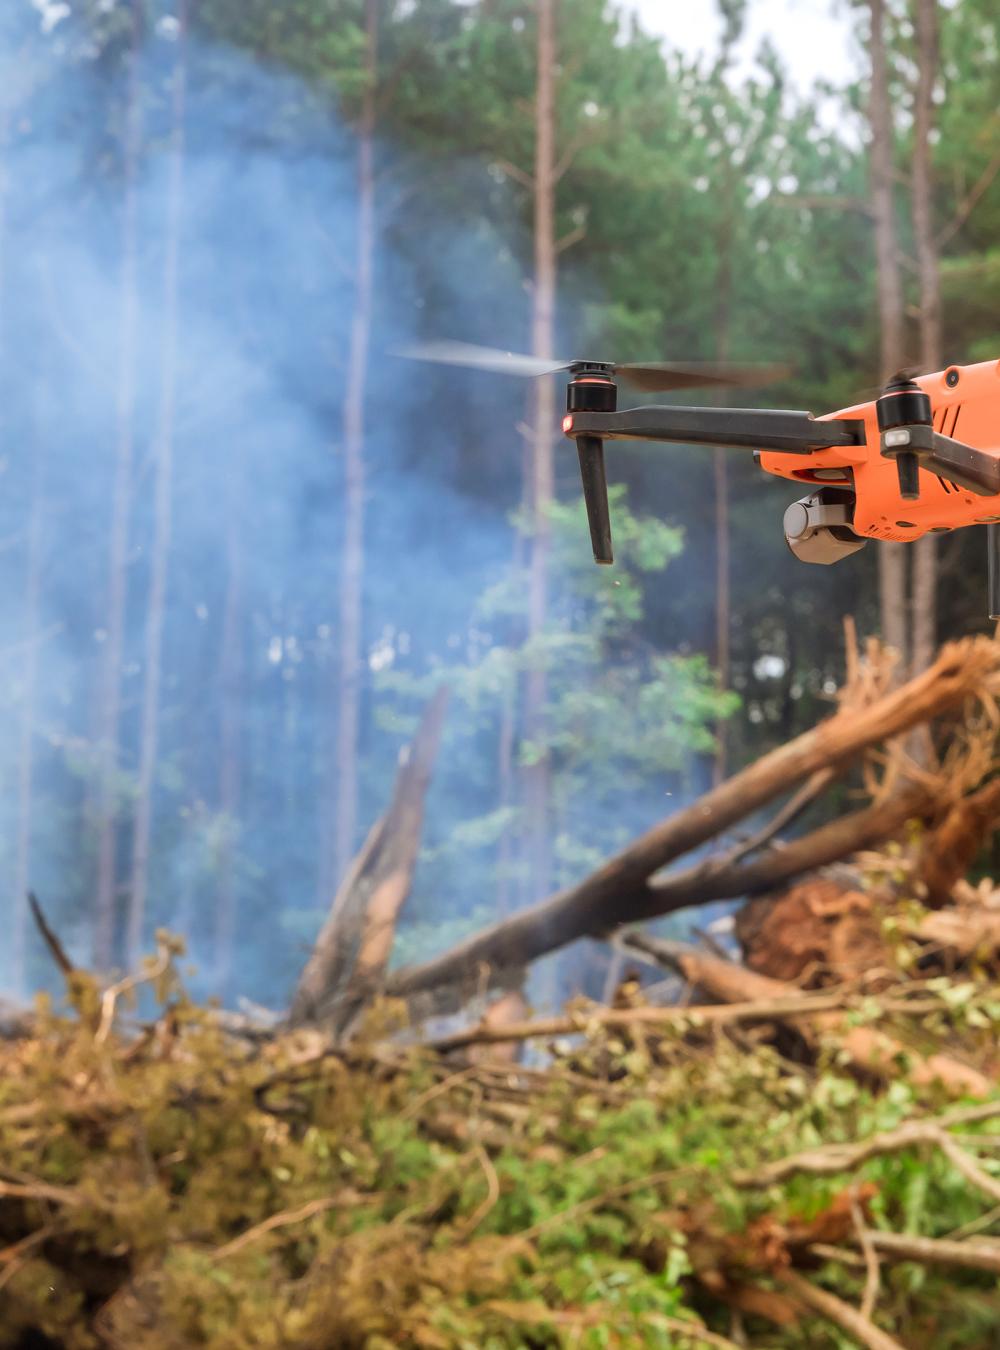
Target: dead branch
{"type": "Point", "coordinates": [582, 911]}
{"type": "Point", "coordinates": [867, 1048]}
{"type": "Point", "coordinates": [981, 1255]}
{"type": "Point", "coordinates": [837, 1311]}
{"type": "Point", "coordinates": [275, 1221]}
{"type": "Point", "coordinates": [56, 949]}
{"type": "Point", "coordinates": [111, 995]}
{"type": "Point", "coordinates": [872, 1275]}
{"type": "Point", "coordinates": [620, 892]}
{"type": "Point", "coordinates": [834, 1158]}
{"type": "Point", "coordinates": [345, 969]}
{"type": "Point", "coordinates": [591, 1019]}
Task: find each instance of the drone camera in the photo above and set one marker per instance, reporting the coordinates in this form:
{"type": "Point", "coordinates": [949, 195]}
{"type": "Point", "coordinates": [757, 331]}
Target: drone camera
{"type": "Point", "coordinates": [593, 390]}
{"type": "Point", "coordinates": [818, 527]}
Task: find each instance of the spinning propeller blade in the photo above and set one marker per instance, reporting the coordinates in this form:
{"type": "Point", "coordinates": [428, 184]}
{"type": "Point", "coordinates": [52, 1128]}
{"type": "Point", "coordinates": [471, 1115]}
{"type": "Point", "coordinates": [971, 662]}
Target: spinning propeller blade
{"type": "Point", "coordinates": [651, 377]}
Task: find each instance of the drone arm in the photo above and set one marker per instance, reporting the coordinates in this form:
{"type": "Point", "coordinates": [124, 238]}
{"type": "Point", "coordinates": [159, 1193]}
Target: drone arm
{"type": "Point", "coordinates": [964, 466]}
{"type": "Point", "coordinates": [795, 433]}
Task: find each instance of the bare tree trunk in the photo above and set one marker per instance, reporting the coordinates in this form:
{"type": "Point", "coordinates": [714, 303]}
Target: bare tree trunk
{"type": "Point", "coordinates": [162, 511]}
{"type": "Point", "coordinates": [723, 616]}
{"type": "Point", "coordinates": [110, 696]}
{"type": "Point", "coordinates": [352, 560]}
{"type": "Point", "coordinates": [892, 557]}
{"type": "Point", "coordinates": [26, 738]}
{"type": "Point", "coordinates": [925, 554]}
{"type": "Point", "coordinates": [230, 758]}
{"type": "Point", "coordinates": [505, 765]}
{"type": "Point", "coordinates": [345, 970]}
{"type": "Point", "coordinates": [537, 779]}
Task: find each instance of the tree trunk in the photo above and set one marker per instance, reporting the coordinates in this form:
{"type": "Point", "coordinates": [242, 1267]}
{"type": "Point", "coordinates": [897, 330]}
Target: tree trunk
{"type": "Point", "coordinates": [620, 891]}
{"type": "Point", "coordinates": [162, 511]}
{"type": "Point", "coordinates": [352, 558]}
{"type": "Point", "coordinates": [345, 970]}
{"type": "Point", "coordinates": [925, 554]}
{"type": "Point", "coordinates": [723, 327]}
{"type": "Point", "coordinates": [723, 605]}
{"type": "Point", "coordinates": [26, 736]}
{"type": "Point", "coordinates": [537, 778]}
{"type": "Point", "coordinates": [230, 757]}
{"type": "Point", "coordinates": [892, 557]}
{"type": "Point", "coordinates": [110, 696]}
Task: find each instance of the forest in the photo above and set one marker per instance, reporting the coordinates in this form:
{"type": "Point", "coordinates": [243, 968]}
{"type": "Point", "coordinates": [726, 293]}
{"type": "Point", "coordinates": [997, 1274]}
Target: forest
{"type": "Point", "coordinates": [415, 934]}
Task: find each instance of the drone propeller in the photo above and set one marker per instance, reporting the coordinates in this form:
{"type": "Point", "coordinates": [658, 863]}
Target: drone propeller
{"type": "Point", "coordinates": [592, 389]}
{"type": "Point", "coordinates": [652, 377]}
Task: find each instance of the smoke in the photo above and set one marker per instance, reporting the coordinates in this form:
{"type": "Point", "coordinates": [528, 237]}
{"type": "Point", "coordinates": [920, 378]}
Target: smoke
{"type": "Point", "coordinates": [266, 237]}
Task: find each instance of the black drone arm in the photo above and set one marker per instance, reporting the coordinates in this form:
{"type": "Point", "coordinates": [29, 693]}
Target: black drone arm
{"type": "Point", "coordinates": [793, 433]}
{"type": "Point", "coordinates": [963, 466]}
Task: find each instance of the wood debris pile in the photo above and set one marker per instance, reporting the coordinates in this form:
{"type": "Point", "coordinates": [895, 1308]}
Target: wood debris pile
{"type": "Point", "coordinates": [766, 1160]}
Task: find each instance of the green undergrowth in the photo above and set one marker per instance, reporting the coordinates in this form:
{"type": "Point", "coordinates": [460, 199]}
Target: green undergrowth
{"type": "Point", "coordinates": [178, 1187]}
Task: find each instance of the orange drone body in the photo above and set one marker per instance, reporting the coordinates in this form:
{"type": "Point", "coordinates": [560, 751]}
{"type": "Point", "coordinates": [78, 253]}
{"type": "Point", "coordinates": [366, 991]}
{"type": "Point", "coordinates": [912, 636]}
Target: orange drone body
{"type": "Point", "coordinates": [965, 404]}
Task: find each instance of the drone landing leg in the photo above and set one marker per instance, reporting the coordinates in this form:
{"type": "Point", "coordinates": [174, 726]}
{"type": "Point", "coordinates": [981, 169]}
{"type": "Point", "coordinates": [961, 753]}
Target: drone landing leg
{"type": "Point", "coordinates": [993, 568]}
{"type": "Point", "coordinates": [595, 493]}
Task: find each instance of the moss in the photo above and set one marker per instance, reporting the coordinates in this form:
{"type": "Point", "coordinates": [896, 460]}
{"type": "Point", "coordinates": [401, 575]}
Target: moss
{"type": "Point", "coordinates": [183, 1190]}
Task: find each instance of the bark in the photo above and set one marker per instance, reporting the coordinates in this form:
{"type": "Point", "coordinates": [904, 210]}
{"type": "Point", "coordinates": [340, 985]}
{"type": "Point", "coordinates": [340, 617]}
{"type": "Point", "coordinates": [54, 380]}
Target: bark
{"type": "Point", "coordinates": [926, 1251]}
{"type": "Point", "coordinates": [625, 1019]}
{"type": "Point", "coordinates": [723, 326]}
{"type": "Point", "coordinates": [867, 1048]}
{"type": "Point", "coordinates": [352, 557]}
{"type": "Point", "coordinates": [162, 513]}
{"type": "Point", "coordinates": [925, 553]}
{"type": "Point", "coordinates": [505, 767]}
{"type": "Point", "coordinates": [952, 848]}
{"type": "Point", "coordinates": [892, 557]}
{"type": "Point", "coordinates": [837, 1311]}
{"type": "Point", "coordinates": [722, 598]}
{"type": "Point", "coordinates": [26, 731]}
{"type": "Point", "coordinates": [619, 891]}
{"type": "Point", "coordinates": [346, 967]}
{"type": "Point", "coordinates": [110, 696]}
{"type": "Point", "coordinates": [537, 778]}
{"type": "Point", "coordinates": [230, 758]}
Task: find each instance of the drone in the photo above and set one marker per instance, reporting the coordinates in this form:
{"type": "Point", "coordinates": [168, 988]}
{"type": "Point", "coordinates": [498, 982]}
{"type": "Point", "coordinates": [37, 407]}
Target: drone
{"type": "Point", "coordinates": [891, 468]}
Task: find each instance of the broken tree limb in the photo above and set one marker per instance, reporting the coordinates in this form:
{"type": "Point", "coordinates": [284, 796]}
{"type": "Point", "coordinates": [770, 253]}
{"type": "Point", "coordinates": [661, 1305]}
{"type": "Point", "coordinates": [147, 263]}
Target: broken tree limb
{"type": "Point", "coordinates": [50, 937]}
{"type": "Point", "coordinates": [837, 1311]}
{"type": "Point", "coordinates": [348, 961]}
{"type": "Point", "coordinates": [832, 1159]}
{"type": "Point", "coordinates": [620, 1019]}
{"type": "Point", "coordinates": [583, 911]}
{"type": "Point", "coordinates": [619, 891]}
{"type": "Point", "coordinates": [866, 1047]}
{"type": "Point", "coordinates": [950, 850]}
{"type": "Point", "coordinates": [981, 1255]}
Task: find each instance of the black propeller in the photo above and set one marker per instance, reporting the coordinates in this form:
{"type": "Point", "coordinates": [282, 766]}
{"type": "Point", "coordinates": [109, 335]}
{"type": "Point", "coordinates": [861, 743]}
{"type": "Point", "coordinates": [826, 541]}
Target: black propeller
{"type": "Point", "coordinates": [651, 376]}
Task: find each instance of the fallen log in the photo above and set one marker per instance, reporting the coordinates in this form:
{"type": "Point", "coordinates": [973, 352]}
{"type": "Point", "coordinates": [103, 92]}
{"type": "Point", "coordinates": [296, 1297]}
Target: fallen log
{"type": "Point", "coordinates": [345, 970]}
{"type": "Point", "coordinates": [619, 892]}
{"type": "Point", "coordinates": [572, 914]}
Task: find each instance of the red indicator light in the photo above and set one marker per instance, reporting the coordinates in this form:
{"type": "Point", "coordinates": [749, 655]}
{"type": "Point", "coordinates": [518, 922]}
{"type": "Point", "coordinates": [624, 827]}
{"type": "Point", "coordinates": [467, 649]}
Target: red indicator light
{"type": "Point", "coordinates": [567, 424]}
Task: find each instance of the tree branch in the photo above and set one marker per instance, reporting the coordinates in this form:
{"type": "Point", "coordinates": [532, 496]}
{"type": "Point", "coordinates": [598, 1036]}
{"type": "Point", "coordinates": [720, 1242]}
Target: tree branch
{"type": "Point", "coordinates": [837, 1311]}
{"type": "Point", "coordinates": [525, 179]}
{"type": "Point", "coordinates": [621, 893]}
{"type": "Point", "coordinates": [970, 201]}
